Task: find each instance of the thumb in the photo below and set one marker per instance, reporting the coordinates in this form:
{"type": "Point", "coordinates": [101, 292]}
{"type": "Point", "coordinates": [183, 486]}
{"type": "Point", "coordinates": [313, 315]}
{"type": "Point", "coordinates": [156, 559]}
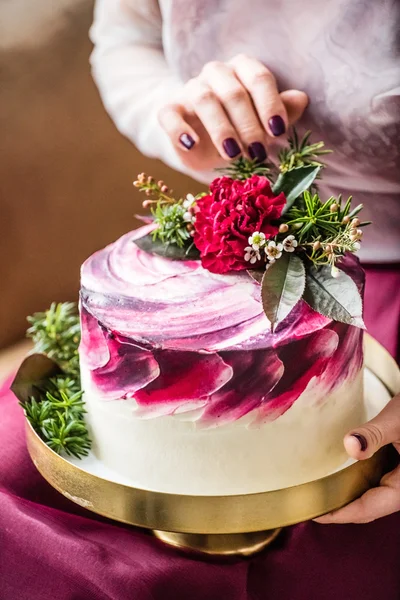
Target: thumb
{"type": "Point", "coordinates": [364, 441]}
{"type": "Point", "coordinates": [295, 103]}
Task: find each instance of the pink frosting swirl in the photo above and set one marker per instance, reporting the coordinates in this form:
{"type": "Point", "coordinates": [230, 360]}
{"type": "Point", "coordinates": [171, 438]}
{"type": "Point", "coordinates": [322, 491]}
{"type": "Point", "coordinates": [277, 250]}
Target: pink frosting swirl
{"type": "Point", "coordinates": [172, 335]}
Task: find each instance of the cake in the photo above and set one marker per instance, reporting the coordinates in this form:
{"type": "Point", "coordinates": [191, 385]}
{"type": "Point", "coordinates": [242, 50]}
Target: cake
{"type": "Point", "coordinates": [222, 343]}
{"type": "Point", "coordinates": [188, 391]}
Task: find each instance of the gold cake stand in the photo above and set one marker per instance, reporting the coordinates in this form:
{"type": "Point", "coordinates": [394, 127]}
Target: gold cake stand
{"type": "Point", "coordinates": [221, 525]}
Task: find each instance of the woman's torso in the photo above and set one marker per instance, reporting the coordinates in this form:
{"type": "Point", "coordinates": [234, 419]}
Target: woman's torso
{"type": "Point", "coordinates": [345, 55]}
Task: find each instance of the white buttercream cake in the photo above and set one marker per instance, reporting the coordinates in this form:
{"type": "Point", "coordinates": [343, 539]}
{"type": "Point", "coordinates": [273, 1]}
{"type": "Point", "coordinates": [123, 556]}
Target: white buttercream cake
{"type": "Point", "coordinates": [187, 390]}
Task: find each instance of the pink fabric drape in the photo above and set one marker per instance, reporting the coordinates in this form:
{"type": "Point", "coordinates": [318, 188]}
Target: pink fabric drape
{"type": "Point", "coordinates": [382, 305]}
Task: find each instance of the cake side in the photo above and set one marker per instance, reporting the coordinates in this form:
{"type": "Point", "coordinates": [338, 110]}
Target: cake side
{"type": "Point", "coordinates": [169, 454]}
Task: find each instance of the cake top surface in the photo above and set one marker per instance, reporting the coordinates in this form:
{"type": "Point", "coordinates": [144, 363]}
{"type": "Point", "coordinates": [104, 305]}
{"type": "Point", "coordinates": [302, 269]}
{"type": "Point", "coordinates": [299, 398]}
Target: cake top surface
{"type": "Point", "coordinates": [181, 305]}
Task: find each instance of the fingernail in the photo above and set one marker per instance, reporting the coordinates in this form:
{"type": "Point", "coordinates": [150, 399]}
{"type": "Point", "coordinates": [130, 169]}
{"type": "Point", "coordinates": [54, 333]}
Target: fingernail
{"type": "Point", "coordinates": [231, 147]}
{"type": "Point", "coordinates": [277, 125]}
{"type": "Point", "coordinates": [257, 152]}
{"type": "Point", "coordinates": [187, 141]}
{"type": "Point", "coordinates": [362, 441]}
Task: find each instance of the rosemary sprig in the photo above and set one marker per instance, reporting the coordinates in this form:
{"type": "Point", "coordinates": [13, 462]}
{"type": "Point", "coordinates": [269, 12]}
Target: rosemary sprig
{"type": "Point", "coordinates": [56, 333]}
{"type": "Point", "coordinates": [171, 216]}
{"type": "Point", "coordinates": [243, 168]}
{"type": "Point", "coordinates": [325, 230]}
{"type": "Point", "coordinates": [171, 225]}
{"type": "Point", "coordinates": [57, 413]}
{"type": "Point", "coordinates": [300, 153]}
{"type": "Point", "coordinates": [58, 418]}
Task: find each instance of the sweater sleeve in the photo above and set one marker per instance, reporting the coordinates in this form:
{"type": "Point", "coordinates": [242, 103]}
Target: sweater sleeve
{"type": "Point", "coordinates": [132, 75]}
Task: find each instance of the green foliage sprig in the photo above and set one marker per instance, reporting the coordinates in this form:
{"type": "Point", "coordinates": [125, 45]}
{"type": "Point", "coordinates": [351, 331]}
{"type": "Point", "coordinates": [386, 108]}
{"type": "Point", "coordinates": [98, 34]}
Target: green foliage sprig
{"type": "Point", "coordinates": [243, 168]}
{"type": "Point", "coordinates": [301, 153]}
{"type": "Point", "coordinates": [301, 260]}
{"type": "Point", "coordinates": [174, 223]}
{"type": "Point", "coordinates": [58, 417]}
{"type": "Point", "coordinates": [325, 231]}
{"type": "Point", "coordinates": [57, 412]}
{"type": "Point", "coordinates": [171, 225]}
{"type": "Point", "coordinates": [56, 333]}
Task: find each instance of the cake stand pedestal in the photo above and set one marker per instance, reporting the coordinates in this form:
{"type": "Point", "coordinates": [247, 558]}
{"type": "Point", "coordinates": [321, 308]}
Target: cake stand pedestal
{"type": "Point", "coordinates": [229, 544]}
{"type": "Point", "coordinates": [224, 525]}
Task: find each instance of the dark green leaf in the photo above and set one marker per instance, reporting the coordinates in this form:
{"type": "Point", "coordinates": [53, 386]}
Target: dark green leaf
{"type": "Point", "coordinates": [294, 183]}
{"type": "Point", "coordinates": [256, 274]}
{"type": "Point", "coordinates": [282, 287]}
{"type": "Point", "coordinates": [171, 251]}
{"type": "Point", "coordinates": [35, 370]}
{"type": "Point", "coordinates": [355, 210]}
{"type": "Point", "coordinates": [335, 298]}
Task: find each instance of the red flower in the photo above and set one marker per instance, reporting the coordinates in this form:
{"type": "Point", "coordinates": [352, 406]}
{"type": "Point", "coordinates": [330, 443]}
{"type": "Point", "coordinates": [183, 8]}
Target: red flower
{"type": "Point", "coordinates": [229, 215]}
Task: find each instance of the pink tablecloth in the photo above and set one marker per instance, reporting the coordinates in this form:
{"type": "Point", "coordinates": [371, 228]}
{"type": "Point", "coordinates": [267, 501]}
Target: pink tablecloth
{"type": "Point", "coordinates": [51, 549]}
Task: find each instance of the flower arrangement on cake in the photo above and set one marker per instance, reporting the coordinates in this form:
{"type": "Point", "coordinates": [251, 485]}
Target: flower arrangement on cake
{"type": "Point", "coordinates": [274, 225]}
{"type": "Point", "coordinates": [261, 235]}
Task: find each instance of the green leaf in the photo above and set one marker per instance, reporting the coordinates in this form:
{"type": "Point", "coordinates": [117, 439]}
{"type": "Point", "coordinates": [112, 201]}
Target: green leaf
{"type": "Point", "coordinates": [294, 183]}
{"type": "Point", "coordinates": [256, 274]}
{"type": "Point", "coordinates": [334, 297]}
{"type": "Point", "coordinates": [34, 371]}
{"type": "Point", "coordinates": [282, 287]}
{"type": "Point", "coordinates": [166, 250]}
{"type": "Point", "coordinates": [355, 211]}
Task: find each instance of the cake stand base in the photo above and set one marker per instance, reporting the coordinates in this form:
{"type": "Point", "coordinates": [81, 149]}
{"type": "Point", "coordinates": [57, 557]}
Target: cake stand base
{"type": "Point", "coordinates": [230, 544]}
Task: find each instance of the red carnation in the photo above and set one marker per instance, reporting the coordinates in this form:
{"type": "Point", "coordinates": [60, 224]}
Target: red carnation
{"type": "Point", "coordinates": [229, 215]}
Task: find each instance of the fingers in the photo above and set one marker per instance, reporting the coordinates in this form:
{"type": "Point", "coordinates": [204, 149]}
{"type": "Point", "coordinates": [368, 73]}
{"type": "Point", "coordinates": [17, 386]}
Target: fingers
{"type": "Point", "coordinates": [295, 103]}
{"type": "Point", "coordinates": [384, 429]}
{"type": "Point", "coordinates": [262, 87]}
{"type": "Point", "coordinates": [374, 504]}
{"type": "Point", "coordinates": [238, 108]}
{"type": "Point", "coordinates": [362, 443]}
{"type": "Point", "coordinates": [182, 135]}
{"type": "Point", "coordinates": [212, 114]}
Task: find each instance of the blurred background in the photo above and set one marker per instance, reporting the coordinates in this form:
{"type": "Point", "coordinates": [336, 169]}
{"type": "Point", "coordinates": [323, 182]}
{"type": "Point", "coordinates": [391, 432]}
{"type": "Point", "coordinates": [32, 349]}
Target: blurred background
{"type": "Point", "coordinates": [65, 172]}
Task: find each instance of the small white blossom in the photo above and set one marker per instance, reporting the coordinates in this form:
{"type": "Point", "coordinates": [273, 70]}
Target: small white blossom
{"type": "Point", "coordinates": [190, 200]}
{"type": "Point", "coordinates": [290, 243]}
{"type": "Point", "coordinates": [188, 217]}
{"type": "Point", "coordinates": [356, 246]}
{"type": "Point", "coordinates": [251, 255]}
{"type": "Point", "coordinates": [257, 240]}
{"type": "Point", "coordinates": [335, 272]}
{"type": "Point", "coordinates": [273, 251]}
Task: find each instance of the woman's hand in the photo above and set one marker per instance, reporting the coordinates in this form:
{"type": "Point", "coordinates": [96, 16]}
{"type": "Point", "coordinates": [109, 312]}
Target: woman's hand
{"type": "Point", "coordinates": [361, 444]}
{"type": "Point", "coordinates": [230, 109]}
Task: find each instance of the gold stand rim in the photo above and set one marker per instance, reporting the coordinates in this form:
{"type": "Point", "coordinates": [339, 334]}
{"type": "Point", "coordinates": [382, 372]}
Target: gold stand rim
{"type": "Point", "coordinates": [220, 525]}
{"type": "Point", "coordinates": [186, 514]}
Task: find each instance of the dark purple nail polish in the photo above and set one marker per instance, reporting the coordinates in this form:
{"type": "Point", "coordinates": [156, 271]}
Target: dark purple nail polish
{"type": "Point", "coordinates": [257, 152]}
{"type": "Point", "coordinates": [277, 125]}
{"type": "Point", "coordinates": [362, 441]}
{"type": "Point", "coordinates": [231, 147]}
{"type": "Point", "coordinates": [187, 141]}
